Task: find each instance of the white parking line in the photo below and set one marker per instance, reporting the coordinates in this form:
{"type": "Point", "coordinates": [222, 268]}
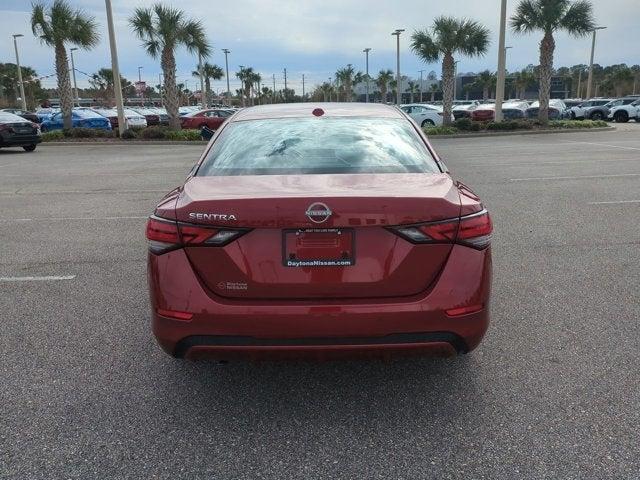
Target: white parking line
{"type": "Point", "coordinates": [614, 202]}
{"type": "Point", "coordinates": [37, 279]}
{"type": "Point", "coordinates": [577, 177]}
{"type": "Point", "coordinates": [608, 146]}
{"type": "Point", "coordinates": [54, 219]}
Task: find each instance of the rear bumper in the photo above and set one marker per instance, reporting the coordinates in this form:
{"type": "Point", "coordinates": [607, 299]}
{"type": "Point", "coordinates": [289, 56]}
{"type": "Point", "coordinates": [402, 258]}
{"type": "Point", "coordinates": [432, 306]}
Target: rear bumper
{"type": "Point", "coordinates": [19, 141]}
{"type": "Point", "coordinates": [225, 329]}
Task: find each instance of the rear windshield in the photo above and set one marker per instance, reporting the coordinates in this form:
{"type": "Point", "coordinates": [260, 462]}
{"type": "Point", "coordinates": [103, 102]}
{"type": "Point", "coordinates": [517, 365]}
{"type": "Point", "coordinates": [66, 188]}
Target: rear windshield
{"type": "Point", "coordinates": [290, 146]}
{"type": "Point", "coordinates": [6, 117]}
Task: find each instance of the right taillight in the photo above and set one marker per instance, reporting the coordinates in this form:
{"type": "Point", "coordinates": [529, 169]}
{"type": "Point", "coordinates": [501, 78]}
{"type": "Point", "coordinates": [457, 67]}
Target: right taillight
{"type": "Point", "coordinates": [472, 230]}
{"type": "Point", "coordinates": [166, 235]}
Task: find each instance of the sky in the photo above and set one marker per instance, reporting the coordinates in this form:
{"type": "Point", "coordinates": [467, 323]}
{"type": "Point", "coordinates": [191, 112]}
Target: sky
{"type": "Point", "coordinates": [315, 37]}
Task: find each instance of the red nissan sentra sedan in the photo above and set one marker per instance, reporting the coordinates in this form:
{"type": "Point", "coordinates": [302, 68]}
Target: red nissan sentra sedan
{"type": "Point", "coordinates": [326, 231]}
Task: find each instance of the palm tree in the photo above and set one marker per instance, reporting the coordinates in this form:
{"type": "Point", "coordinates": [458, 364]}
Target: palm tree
{"type": "Point", "coordinates": [522, 81]}
{"type": "Point", "coordinates": [102, 82]}
{"type": "Point", "coordinates": [449, 36]}
{"type": "Point", "coordinates": [162, 30]}
{"type": "Point", "coordinates": [433, 89]}
{"type": "Point", "coordinates": [56, 26]}
{"type": "Point", "coordinates": [209, 72]}
{"type": "Point", "coordinates": [621, 77]}
{"type": "Point", "coordinates": [549, 16]}
{"type": "Point", "coordinates": [248, 78]}
{"type": "Point", "coordinates": [485, 80]}
{"type": "Point", "coordinates": [348, 77]}
{"type": "Point", "coordinates": [382, 81]}
{"type": "Point", "coordinates": [413, 88]}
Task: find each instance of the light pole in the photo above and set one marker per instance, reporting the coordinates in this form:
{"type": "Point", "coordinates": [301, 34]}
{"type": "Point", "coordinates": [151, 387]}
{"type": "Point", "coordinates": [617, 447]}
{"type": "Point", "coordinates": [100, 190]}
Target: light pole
{"type": "Point", "coordinates": [366, 55]}
{"type": "Point", "coordinates": [140, 84]}
{"type": "Point", "coordinates": [502, 60]}
{"type": "Point", "coordinates": [397, 33]}
{"type": "Point", "coordinates": [226, 62]}
{"type": "Point", "coordinates": [15, 45]}
{"type": "Point", "coordinates": [593, 48]}
{"type": "Point", "coordinates": [421, 84]}
{"type": "Point", "coordinates": [115, 70]}
{"type": "Point", "coordinates": [73, 69]}
{"type": "Point", "coordinates": [455, 79]}
{"type": "Point", "coordinates": [203, 96]}
{"type": "Point", "coordinates": [330, 86]}
{"type": "Point", "coordinates": [506, 51]}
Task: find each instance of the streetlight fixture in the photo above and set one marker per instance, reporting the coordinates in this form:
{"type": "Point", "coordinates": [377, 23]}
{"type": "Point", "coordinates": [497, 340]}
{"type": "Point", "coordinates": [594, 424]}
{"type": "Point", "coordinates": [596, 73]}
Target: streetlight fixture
{"type": "Point", "coordinates": [502, 60]}
{"type": "Point", "coordinates": [397, 33]}
{"type": "Point", "coordinates": [593, 48]}
{"type": "Point", "coordinates": [366, 54]}
{"type": "Point", "coordinates": [226, 62]}
{"type": "Point", "coordinates": [117, 87]}
{"type": "Point", "coordinates": [15, 45]}
{"type": "Point", "coordinates": [73, 70]}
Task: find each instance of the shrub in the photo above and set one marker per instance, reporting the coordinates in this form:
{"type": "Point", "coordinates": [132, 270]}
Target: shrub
{"type": "Point", "coordinates": [154, 133]}
{"type": "Point", "coordinates": [440, 130]}
{"type": "Point", "coordinates": [186, 135]}
{"type": "Point", "coordinates": [53, 136]}
{"type": "Point", "coordinates": [510, 125]}
{"type": "Point", "coordinates": [130, 134]}
{"type": "Point", "coordinates": [569, 124]}
{"type": "Point", "coordinates": [464, 124]}
{"type": "Point", "coordinates": [88, 133]}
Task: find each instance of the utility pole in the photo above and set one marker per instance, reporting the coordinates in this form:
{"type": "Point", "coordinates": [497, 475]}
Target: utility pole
{"type": "Point", "coordinates": [397, 33]}
{"type": "Point", "coordinates": [140, 84]}
{"type": "Point", "coordinates": [115, 70]}
{"type": "Point", "coordinates": [285, 86]}
{"type": "Point", "coordinates": [593, 49]}
{"type": "Point", "coordinates": [502, 53]}
{"type": "Point", "coordinates": [15, 45]}
{"type": "Point", "coordinates": [366, 55]}
{"type": "Point", "coordinates": [226, 62]}
{"type": "Point", "coordinates": [75, 85]}
{"type": "Point", "coordinates": [421, 85]}
{"type": "Point", "coordinates": [303, 87]}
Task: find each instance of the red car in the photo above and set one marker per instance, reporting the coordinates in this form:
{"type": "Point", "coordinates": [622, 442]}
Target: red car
{"type": "Point", "coordinates": [326, 231]}
{"type": "Point", "coordinates": [484, 113]}
{"type": "Point", "coordinates": [211, 118]}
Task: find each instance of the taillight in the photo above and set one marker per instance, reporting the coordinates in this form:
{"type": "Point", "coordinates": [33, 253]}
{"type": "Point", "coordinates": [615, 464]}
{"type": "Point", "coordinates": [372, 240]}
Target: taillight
{"type": "Point", "coordinates": [166, 235]}
{"type": "Point", "coordinates": [6, 128]}
{"type": "Point", "coordinates": [471, 230]}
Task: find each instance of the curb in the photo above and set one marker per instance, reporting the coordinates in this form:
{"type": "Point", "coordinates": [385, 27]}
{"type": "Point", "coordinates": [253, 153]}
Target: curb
{"type": "Point", "coordinates": [524, 132]}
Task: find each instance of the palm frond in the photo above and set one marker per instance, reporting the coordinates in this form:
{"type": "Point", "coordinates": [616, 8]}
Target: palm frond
{"type": "Point", "coordinates": [423, 45]}
{"type": "Point", "coordinates": [473, 39]}
{"type": "Point", "coordinates": [578, 19]}
{"type": "Point", "coordinates": [528, 17]}
{"type": "Point", "coordinates": [40, 25]}
{"type": "Point", "coordinates": [192, 35]}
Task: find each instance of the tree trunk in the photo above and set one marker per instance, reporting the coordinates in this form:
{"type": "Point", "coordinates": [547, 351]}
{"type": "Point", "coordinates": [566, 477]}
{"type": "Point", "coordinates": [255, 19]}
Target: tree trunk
{"type": "Point", "coordinates": [547, 47]}
{"type": "Point", "coordinates": [171, 98]}
{"type": "Point", "coordinates": [207, 91]}
{"type": "Point", "coordinates": [64, 85]}
{"type": "Point", "coordinates": [433, 96]}
{"type": "Point", "coordinates": [485, 93]}
{"type": "Point", "coordinates": [448, 80]}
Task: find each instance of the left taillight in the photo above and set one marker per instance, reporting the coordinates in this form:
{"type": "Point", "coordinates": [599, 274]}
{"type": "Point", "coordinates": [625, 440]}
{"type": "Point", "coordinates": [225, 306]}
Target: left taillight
{"type": "Point", "coordinates": [165, 235]}
{"type": "Point", "coordinates": [472, 231]}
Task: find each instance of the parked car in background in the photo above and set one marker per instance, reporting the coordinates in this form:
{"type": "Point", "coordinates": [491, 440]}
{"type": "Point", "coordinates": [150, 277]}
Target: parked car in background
{"type": "Point", "coordinates": [463, 108]}
{"type": "Point", "coordinates": [557, 110]}
{"type": "Point", "coordinates": [31, 116]}
{"type": "Point", "coordinates": [582, 110]}
{"type": "Point", "coordinates": [16, 131]}
{"type": "Point", "coordinates": [188, 109]}
{"type": "Point", "coordinates": [150, 115]}
{"type": "Point", "coordinates": [514, 110]}
{"type": "Point", "coordinates": [484, 112]}
{"type": "Point", "coordinates": [572, 102]}
{"type": "Point", "coordinates": [134, 119]}
{"type": "Point", "coordinates": [81, 118]}
{"type": "Point", "coordinates": [624, 113]}
{"type": "Point", "coordinates": [45, 113]}
{"type": "Point", "coordinates": [425, 115]}
{"type": "Point", "coordinates": [210, 118]}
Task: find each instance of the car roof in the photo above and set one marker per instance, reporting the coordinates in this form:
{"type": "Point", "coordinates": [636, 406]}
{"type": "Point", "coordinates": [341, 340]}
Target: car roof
{"type": "Point", "coordinates": [292, 110]}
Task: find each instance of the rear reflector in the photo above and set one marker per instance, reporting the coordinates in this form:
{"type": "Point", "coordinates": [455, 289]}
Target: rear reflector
{"type": "Point", "coordinates": [458, 312]}
{"type": "Point", "coordinates": [166, 235]}
{"type": "Point", "coordinates": [472, 230]}
{"type": "Point", "coordinates": [183, 316]}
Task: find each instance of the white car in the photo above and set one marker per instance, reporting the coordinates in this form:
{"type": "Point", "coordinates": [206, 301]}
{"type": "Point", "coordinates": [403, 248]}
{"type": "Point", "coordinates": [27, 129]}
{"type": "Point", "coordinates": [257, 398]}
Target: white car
{"type": "Point", "coordinates": [579, 112]}
{"type": "Point", "coordinates": [134, 119]}
{"type": "Point", "coordinates": [425, 115]}
{"type": "Point", "coordinates": [624, 113]}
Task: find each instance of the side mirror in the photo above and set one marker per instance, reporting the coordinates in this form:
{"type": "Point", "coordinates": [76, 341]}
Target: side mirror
{"type": "Point", "coordinates": [206, 133]}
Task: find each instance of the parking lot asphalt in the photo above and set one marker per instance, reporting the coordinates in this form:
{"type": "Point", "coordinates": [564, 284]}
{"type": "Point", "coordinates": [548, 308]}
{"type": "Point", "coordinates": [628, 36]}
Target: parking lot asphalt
{"type": "Point", "coordinates": [553, 392]}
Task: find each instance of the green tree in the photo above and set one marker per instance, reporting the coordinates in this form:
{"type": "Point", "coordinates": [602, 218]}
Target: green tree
{"type": "Point", "coordinates": [102, 83]}
{"type": "Point", "coordinates": [347, 77]}
{"type": "Point", "coordinates": [433, 89]}
{"type": "Point", "coordinates": [209, 72]}
{"type": "Point", "coordinates": [549, 17]}
{"type": "Point", "coordinates": [162, 30]}
{"type": "Point", "coordinates": [382, 82]}
{"type": "Point", "coordinates": [486, 80]}
{"type": "Point", "coordinates": [412, 89]}
{"type": "Point", "coordinates": [249, 79]}
{"type": "Point", "coordinates": [56, 26]}
{"type": "Point", "coordinates": [523, 80]}
{"type": "Point", "coordinates": [450, 36]}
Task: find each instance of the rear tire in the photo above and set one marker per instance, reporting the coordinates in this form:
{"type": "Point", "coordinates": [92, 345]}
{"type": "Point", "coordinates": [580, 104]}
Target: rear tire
{"type": "Point", "coordinates": [428, 123]}
{"type": "Point", "coordinates": [621, 117]}
{"type": "Point", "coordinates": [29, 148]}
{"type": "Point", "coordinates": [596, 116]}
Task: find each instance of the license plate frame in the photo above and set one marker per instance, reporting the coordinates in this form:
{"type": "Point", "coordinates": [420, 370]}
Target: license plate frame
{"type": "Point", "coordinates": [345, 239]}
